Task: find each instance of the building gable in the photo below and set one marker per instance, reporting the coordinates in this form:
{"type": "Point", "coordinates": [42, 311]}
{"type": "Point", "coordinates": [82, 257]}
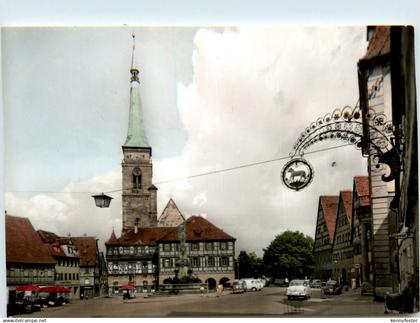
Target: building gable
{"type": "Point", "coordinates": [171, 216]}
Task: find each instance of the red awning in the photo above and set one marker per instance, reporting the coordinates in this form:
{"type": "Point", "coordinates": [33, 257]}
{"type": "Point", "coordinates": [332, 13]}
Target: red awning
{"type": "Point", "coordinates": [127, 287]}
{"type": "Point", "coordinates": [31, 288]}
{"type": "Point", "coordinates": [54, 289]}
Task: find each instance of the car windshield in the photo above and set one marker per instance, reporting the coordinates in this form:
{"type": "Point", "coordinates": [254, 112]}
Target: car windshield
{"type": "Point", "coordinates": [331, 282]}
{"type": "Point", "coordinates": [297, 283]}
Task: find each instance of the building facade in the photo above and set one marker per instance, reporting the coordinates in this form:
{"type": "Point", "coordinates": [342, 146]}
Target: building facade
{"type": "Point", "coordinates": [390, 55]}
{"type": "Point", "coordinates": [171, 216]}
{"type": "Point", "coordinates": [28, 260]}
{"type": "Point", "coordinates": [92, 268]}
{"type": "Point", "coordinates": [405, 120]}
{"type": "Point", "coordinates": [324, 236]}
{"type": "Point", "coordinates": [342, 248]}
{"type": "Point", "coordinates": [362, 231]}
{"type": "Point", "coordinates": [66, 254]}
{"type": "Point", "coordinates": [376, 95]}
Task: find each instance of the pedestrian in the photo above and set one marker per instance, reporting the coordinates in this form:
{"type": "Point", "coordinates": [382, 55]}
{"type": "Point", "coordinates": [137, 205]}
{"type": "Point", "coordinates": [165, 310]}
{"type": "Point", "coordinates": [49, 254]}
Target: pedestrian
{"type": "Point", "coordinates": [219, 290]}
{"type": "Point", "coordinates": [202, 291]}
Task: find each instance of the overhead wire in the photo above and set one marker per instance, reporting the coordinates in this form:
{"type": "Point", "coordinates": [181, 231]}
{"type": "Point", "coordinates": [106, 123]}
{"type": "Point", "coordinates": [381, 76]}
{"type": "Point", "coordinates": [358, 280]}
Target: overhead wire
{"type": "Point", "coordinates": [187, 177]}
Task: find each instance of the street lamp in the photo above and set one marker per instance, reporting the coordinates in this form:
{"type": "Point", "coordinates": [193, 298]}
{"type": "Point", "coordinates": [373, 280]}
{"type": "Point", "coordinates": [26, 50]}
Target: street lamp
{"type": "Point", "coordinates": [102, 200]}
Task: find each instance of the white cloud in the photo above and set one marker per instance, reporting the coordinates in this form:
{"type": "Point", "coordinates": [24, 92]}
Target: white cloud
{"type": "Point", "coordinates": [253, 92]}
{"type": "Point", "coordinates": [70, 212]}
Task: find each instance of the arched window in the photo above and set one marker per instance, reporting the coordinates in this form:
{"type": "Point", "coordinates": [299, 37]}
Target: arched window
{"type": "Point", "coordinates": [136, 177]}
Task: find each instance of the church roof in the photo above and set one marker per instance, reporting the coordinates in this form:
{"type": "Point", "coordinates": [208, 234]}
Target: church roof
{"type": "Point", "coordinates": [329, 205]}
{"type": "Point", "coordinates": [23, 244]}
{"type": "Point", "coordinates": [196, 229]}
{"type": "Point", "coordinates": [136, 135]}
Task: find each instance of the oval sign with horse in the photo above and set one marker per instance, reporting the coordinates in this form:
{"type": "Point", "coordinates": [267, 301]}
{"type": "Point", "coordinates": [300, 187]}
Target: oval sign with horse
{"type": "Point", "coordinates": [297, 174]}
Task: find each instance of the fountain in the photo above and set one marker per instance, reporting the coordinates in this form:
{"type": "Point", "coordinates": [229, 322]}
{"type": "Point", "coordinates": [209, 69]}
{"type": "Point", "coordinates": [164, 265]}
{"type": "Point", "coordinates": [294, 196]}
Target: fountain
{"type": "Point", "coordinates": [184, 280]}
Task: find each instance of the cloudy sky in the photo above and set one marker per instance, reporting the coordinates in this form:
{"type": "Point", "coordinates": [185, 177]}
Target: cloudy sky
{"type": "Point", "coordinates": [213, 98]}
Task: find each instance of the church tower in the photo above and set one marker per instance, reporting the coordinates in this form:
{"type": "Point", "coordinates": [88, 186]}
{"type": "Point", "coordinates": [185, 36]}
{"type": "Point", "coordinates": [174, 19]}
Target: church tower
{"type": "Point", "coordinates": [139, 194]}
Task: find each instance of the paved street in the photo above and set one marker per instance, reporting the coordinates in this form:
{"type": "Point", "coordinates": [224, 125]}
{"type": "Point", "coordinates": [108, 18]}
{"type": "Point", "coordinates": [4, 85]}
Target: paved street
{"type": "Point", "coordinates": [269, 302]}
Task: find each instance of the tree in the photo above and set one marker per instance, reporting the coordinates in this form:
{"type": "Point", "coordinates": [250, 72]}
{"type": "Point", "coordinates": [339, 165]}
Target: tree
{"type": "Point", "coordinates": [289, 255]}
{"type": "Point", "coordinates": [249, 265]}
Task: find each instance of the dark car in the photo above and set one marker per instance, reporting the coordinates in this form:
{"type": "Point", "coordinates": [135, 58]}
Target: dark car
{"type": "Point", "coordinates": [332, 288]}
{"type": "Point", "coordinates": [316, 283]}
{"type": "Point", "coordinates": [238, 287]}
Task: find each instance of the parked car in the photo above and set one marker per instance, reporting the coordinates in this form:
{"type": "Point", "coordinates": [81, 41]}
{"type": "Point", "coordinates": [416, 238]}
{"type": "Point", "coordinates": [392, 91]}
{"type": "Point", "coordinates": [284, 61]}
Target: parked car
{"type": "Point", "coordinates": [316, 283]}
{"type": "Point", "coordinates": [281, 282]}
{"type": "Point", "coordinates": [332, 287]}
{"type": "Point", "coordinates": [251, 284]}
{"type": "Point", "coordinates": [237, 287]}
{"type": "Point", "coordinates": [298, 289]}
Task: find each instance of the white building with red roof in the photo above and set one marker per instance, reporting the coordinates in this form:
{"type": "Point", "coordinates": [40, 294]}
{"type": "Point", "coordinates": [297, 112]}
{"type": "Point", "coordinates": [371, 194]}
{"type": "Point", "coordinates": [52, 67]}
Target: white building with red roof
{"type": "Point", "coordinates": [324, 236]}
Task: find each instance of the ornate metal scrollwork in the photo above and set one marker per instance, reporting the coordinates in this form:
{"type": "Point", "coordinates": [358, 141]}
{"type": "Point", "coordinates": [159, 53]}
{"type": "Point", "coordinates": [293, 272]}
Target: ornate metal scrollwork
{"type": "Point", "coordinates": [347, 124]}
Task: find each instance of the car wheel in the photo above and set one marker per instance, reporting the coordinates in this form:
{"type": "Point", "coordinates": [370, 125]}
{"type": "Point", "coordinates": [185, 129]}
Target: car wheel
{"type": "Point", "coordinates": [289, 298]}
{"type": "Point", "coordinates": [254, 289]}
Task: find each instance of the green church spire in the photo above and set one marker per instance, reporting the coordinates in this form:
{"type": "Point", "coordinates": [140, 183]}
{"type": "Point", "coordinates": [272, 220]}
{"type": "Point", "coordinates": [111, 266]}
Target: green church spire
{"type": "Point", "coordinates": [136, 135]}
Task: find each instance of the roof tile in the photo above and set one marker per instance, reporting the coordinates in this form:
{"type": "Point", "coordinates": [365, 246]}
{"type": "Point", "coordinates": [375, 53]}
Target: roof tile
{"type": "Point", "coordinates": [23, 244]}
{"type": "Point", "coordinates": [197, 229]}
{"type": "Point", "coordinates": [380, 43]}
{"type": "Point", "coordinates": [329, 206]}
{"type": "Point", "coordinates": [88, 251]}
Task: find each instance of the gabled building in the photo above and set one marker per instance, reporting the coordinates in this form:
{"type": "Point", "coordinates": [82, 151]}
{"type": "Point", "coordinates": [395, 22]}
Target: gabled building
{"type": "Point", "coordinates": [405, 119]}
{"type": "Point", "coordinates": [147, 257]}
{"type": "Point", "coordinates": [28, 259]}
{"type": "Point", "coordinates": [171, 216]}
{"type": "Point", "coordinates": [387, 86]}
{"type": "Point", "coordinates": [362, 231]}
{"type": "Point", "coordinates": [342, 248]}
{"type": "Point", "coordinates": [210, 252]}
{"type": "Point", "coordinates": [66, 254]}
{"type": "Point", "coordinates": [324, 236]}
{"type": "Point", "coordinates": [92, 269]}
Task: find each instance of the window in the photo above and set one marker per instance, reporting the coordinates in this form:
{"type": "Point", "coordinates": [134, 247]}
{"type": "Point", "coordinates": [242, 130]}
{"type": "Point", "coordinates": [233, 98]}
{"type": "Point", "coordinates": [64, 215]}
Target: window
{"type": "Point", "coordinates": [195, 261]}
{"type": "Point", "coordinates": [167, 247]}
{"type": "Point", "coordinates": [223, 245]}
{"type": "Point", "coordinates": [224, 261]}
{"type": "Point", "coordinates": [144, 267]}
{"type": "Point", "coordinates": [146, 249]}
{"type": "Point", "coordinates": [210, 261]}
{"type": "Point", "coordinates": [209, 246]}
{"type": "Point", "coordinates": [167, 263]}
{"type": "Point", "coordinates": [194, 246]}
{"type": "Point", "coordinates": [136, 177]}
{"type": "Point", "coordinates": [65, 276]}
{"type": "Point", "coordinates": [86, 271]}
{"type": "Point", "coordinates": [131, 250]}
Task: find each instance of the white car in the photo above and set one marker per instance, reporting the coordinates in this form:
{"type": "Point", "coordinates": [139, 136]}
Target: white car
{"type": "Point", "coordinates": [298, 289]}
